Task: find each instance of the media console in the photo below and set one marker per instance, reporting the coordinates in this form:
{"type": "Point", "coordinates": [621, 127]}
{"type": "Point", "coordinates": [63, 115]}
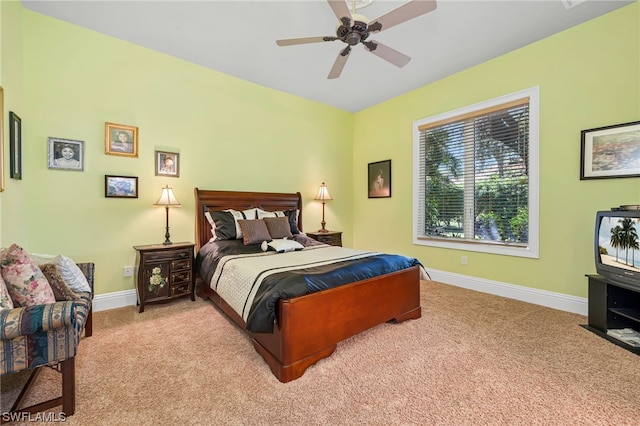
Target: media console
{"type": "Point", "coordinates": [613, 306]}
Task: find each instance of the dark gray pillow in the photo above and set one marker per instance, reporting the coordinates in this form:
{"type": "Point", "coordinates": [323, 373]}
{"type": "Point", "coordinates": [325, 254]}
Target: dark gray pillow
{"type": "Point", "coordinates": [292, 216]}
{"type": "Point", "coordinates": [225, 225]}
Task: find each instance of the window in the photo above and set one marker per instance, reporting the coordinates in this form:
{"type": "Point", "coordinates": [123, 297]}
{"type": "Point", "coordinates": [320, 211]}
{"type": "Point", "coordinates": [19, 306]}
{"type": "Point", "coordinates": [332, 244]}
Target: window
{"type": "Point", "coordinates": [476, 177]}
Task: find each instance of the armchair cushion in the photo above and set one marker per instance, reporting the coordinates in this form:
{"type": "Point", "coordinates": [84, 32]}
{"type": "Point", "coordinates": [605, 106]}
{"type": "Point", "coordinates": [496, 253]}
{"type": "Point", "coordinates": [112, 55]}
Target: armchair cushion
{"type": "Point", "coordinates": [60, 288]}
{"type": "Point", "coordinates": [24, 279]}
{"type": "Point", "coordinates": [68, 269]}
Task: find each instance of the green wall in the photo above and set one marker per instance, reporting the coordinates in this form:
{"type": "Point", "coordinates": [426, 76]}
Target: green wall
{"type": "Point", "coordinates": [589, 76]}
{"type": "Point", "coordinates": [230, 134]}
{"type": "Point", "coordinates": [12, 200]}
{"type": "Point", "coordinates": [66, 81]}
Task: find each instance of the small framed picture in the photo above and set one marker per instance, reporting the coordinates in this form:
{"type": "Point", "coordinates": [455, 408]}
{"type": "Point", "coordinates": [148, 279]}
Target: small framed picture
{"type": "Point", "coordinates": [167, 164]}
{"type": "Point", "coordinates": [66, 154]}
{"type": "Point", "coordinates": [610, 152]}
{"type": "Point", "coordinates": [121, 186]}
{"type": "Point", "coordinates": [380, 179]}
{"type": "Point", "coordinates": [121, 139]}
{"type": "Point", "coordinates": [15, 146]}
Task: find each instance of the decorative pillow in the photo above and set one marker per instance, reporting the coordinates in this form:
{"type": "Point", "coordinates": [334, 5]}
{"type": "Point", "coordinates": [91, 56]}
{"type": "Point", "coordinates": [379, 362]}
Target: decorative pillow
{"type": "Point", "coordinates": [281, 246]}
{"type": "Point", "coordinates": [254, 231]}
{"type": "Point", "coordinates": [5, 299]}
{"type": "Point", "coordinates": [223, 226]}
{"type": "Point", "coordinates": [263, 213]}
{"type": "Point", "coordinates": [251, 213]}
{"type": "Point", "coordinates": [68, 269]}
{"type": "Point", "coordinates": [292, 215]}
{"type": "Point", "coordinates": [61, 289]}
{"type": "Point", "coordinates": [24, 279]}
{"type": "Point", "coordinates": [278, 227]}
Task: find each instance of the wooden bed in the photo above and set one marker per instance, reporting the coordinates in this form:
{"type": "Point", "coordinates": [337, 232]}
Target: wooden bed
{"type": "Point", "coordinates": [309, 327]}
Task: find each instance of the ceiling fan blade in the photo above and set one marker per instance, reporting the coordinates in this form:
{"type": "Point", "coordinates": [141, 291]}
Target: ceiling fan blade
{"type": "Point", "coordinates": [387, 53]}
{"type": "Point", "coordinates": [340, 9]}
{"type": "Point", "coordinates": [401, 14]}
{"type": "Point", "coordinates": [304, 40]}
{"type": "Point", "coordinates": [338, 65]}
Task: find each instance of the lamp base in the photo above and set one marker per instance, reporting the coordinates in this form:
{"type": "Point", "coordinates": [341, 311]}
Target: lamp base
{"type": "Point", "coordinates": [323, 230]}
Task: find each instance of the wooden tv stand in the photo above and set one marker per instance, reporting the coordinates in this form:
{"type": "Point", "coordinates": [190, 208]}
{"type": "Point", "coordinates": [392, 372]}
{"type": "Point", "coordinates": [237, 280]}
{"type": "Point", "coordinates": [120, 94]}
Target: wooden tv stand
{"type": "Point", "coordinates": [613, 306]}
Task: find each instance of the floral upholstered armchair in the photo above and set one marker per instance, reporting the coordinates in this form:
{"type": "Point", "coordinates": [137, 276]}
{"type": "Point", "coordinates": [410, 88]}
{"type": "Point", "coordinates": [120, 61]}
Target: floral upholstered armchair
{"type": "Point", "coordinates": [38, 331]}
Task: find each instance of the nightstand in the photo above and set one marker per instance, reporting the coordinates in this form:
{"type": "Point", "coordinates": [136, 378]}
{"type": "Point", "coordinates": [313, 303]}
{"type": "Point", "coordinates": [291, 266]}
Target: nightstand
{"type": "Point", "coordinates": [333, 238]}
{"type": "Point", "coordinates": [164, 272]}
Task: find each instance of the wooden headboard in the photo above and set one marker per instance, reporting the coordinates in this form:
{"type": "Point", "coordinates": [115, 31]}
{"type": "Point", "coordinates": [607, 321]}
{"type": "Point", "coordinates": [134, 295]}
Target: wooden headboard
{"type": "Point", "coordinates": [239, 200]}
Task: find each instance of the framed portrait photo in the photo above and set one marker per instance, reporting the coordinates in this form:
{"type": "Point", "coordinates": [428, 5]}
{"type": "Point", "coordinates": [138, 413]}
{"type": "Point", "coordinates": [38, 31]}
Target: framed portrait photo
{"type": "Point", "coordinates": [167, 164]}
{"type": "Point", "coordinates": [379, 179]}
{"type": "Point", "coordinates": [610, 152]}
{"type": "Point", "coordinates": [120, 186]}
{"type": "Point", "coordinates": [15, 146]}
{"type": "Point", "coordinates": [120, 139]}
{"type": "Point", "coordinates": [66, 154]}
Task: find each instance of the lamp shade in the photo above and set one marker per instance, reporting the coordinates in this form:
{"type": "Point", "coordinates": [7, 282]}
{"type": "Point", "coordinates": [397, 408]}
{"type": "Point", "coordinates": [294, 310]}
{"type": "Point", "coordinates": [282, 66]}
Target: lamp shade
{"type": "Point", "coordinates": [323, 193]}
{"type": "Point", "coordinates": [167, 199]}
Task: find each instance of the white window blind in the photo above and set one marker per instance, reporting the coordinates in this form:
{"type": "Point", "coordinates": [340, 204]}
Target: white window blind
{"type": "Point", "coordinates": [476, 178]}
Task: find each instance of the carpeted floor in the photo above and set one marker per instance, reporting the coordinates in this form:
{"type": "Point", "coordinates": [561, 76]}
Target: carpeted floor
{"type": "Point", "coordinates": [472, 359]}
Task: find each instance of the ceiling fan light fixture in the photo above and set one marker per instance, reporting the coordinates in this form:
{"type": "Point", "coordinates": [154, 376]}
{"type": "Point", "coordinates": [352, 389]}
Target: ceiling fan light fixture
{"type": "Point", "coordinates": [358, 4]}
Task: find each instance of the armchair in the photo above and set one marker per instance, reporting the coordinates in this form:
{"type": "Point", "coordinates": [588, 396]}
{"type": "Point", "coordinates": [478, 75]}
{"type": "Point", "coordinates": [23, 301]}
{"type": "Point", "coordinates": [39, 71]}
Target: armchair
{"type": "Point", "coordinates": [46, 335]}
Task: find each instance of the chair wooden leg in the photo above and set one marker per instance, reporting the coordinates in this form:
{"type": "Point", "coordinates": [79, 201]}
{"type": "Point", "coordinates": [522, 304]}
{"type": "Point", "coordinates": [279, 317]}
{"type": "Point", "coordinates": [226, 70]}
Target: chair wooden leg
{"type": "Point", "coordinates": [69, 386]}
{"type": "Point", "coordinates": [88, 327]}
{"type": "Point", "coordinates": [67, 400]}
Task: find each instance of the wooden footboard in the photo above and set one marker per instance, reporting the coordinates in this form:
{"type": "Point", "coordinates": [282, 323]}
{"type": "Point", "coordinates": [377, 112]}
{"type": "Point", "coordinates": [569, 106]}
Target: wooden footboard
{"type": "Point", "coordinates": [309, 327]}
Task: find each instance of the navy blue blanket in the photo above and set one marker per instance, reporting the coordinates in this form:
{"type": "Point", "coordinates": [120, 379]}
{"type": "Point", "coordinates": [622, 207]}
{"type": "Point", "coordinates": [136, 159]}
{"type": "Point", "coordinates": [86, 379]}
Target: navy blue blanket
{"type": "Point", "coordinates": [285, 285]}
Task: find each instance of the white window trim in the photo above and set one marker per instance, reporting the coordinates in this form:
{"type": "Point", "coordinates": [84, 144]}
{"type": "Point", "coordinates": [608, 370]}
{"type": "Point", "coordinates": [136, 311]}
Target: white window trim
{"type": "Point", "coordinates": [533, 248]}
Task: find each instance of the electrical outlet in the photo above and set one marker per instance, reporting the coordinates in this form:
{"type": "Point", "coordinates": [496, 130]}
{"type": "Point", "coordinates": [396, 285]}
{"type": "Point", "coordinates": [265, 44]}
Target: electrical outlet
{"type": "Point", "coordinates": [128, 271]}
{"type": "Point", "coordinates": [464, 260]}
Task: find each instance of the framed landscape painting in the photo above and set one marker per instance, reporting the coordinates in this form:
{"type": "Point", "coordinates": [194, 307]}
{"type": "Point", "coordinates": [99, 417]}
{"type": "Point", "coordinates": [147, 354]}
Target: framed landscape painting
{"type": "Point", "coordinates": [120, 186]}
{"type": "Point", "coordinates": [610, 152]}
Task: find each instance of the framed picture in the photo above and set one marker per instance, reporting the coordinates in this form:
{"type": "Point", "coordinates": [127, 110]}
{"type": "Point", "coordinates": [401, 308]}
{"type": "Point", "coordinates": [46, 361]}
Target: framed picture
{"type": "Point", "coordinates": [15, 146]}
{"type": "Point", "coordinates": [380, 179]}
{"type": "Point", "coordinates": [611, 151]}
{"type": "Point", "coordinates": [167, 164]}
{"type": "Point", "coordinates": [66, 154]}
{"type": "Point", "coordinates": [120, 139]}
{"type": "Point", "coordinates": [121, 186]}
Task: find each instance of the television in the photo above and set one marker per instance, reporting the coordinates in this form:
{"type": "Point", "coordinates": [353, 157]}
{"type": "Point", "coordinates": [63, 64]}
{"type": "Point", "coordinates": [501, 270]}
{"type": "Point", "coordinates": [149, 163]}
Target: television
{"type": "Point", "coordinates": [617, 246]}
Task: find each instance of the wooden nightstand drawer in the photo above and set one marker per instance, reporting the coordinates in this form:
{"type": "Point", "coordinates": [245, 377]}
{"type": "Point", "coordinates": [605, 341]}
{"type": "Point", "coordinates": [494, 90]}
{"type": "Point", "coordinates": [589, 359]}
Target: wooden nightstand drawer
{"type": "Point", "coordinates": [181, 276]}
{"type": "Point", "coordinates": [167, 255]}
{"type": "Point", "coordinates": [180, 289]}
{"type": "Point", "coordinates": [177, 265]}
{"type": "Point", "coordinates": [164, 272]}
{"type": "Point", "coordinates": [333, 238]}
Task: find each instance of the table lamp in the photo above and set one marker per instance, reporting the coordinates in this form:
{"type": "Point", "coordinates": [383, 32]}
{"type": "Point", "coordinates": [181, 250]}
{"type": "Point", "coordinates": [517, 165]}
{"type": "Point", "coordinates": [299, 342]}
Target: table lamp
{"type": "Point", "coordinates": [323, 195]}
{"type": "Point", "coordinates": [166, 200]}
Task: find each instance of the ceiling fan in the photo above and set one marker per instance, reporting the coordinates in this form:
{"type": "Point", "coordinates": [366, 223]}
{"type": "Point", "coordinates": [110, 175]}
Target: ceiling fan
{"type": "Point", "coordinates": [354, 29]}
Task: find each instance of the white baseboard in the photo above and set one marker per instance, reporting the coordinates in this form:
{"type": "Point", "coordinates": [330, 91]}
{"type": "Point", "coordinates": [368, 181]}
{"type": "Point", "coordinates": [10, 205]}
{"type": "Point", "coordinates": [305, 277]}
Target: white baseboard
{"type": "Point", "coordinates": [117, 299]}
{"type": "Point", "coordinates": [563, 302]}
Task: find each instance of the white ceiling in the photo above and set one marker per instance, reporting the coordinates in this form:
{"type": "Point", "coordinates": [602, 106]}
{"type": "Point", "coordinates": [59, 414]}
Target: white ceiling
{"type": "Point", "coordinates": [238, 38]}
